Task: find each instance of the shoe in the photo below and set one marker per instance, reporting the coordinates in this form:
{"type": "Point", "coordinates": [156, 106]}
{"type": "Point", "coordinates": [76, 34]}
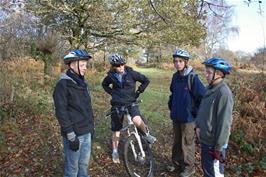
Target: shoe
{"type": "Point", "coordinates": [115, 157]}
{"type": "Point", "coordinates": [149, 138]}
{"type": "Point", "coordinates": [187, 172]}
{"type": "Point", "coordinates": [175, 167]}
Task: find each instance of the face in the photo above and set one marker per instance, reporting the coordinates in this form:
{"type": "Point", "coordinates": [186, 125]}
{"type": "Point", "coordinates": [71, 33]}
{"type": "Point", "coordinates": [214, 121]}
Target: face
{"type": "Point", "coordinates": [82, 66]}
{"type": "Point", "coordinates": [179, 63]}
{"type": "Point", "coordinates": [209, 72]}
{"type": "Point", "coordinates": [120, 68]}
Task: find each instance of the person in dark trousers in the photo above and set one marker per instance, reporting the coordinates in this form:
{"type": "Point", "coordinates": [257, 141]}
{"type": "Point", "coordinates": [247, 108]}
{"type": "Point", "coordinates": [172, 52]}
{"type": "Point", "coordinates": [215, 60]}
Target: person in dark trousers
{"type": "Point", "coordinates": [73, 110]}
{"type": "Point", "coordinates": [214, 119]}
{"type": "Point", "coordinates": [120, 83]}
{"type": "Point", "coordinates": [186, 93]}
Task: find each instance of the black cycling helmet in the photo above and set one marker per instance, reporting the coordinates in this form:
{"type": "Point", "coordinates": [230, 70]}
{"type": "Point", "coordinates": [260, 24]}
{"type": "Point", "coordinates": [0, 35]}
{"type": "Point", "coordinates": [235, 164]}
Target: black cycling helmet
{"type": "Point", "coordinates": [117, 60]}
{"type": "Point", "coordinates": [76, 55]}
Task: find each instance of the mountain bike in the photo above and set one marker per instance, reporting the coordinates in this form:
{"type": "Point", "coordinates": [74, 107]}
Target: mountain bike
{"type": "Point", "coordinates": [138, 156]}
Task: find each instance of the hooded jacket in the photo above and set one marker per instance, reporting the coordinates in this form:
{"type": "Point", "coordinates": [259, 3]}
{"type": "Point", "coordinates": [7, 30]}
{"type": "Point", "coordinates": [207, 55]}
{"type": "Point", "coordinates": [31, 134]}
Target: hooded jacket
{"type": "Point", "coordinates": [124, 91]}
{"type": "Point", "coordinates": [73, 107]}
{"type": "Point", "coordinates": [215, 116]}
{"type": "Point", "coordinates": [180, 101]}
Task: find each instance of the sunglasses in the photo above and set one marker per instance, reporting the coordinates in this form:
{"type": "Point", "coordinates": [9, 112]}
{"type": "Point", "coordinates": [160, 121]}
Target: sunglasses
{"type": "Point", "coordinates": [118, 65]}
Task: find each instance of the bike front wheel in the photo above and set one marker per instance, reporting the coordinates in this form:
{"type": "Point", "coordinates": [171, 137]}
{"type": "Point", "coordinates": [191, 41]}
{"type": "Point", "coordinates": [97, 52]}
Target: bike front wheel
{"type": "Point", "coordinates": [138, 165]}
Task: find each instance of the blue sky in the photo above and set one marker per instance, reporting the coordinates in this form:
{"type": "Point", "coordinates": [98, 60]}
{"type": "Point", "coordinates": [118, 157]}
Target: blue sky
{"type": "Point", "coordinates": [252, 26]}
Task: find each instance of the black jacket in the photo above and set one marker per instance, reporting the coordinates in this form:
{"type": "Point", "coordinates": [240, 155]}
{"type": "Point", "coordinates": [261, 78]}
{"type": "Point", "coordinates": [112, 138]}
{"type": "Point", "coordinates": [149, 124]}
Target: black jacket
{"type": "Point", "coordinates": [124, 93]}
{"type": "Point", "coordinates": [73, 107]}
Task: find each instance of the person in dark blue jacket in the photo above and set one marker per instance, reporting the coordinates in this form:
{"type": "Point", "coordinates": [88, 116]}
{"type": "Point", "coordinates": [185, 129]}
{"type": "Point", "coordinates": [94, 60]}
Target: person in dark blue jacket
{"type": "Point", "coordinates": [120, 83]}
{"type": "Point", "coordinates": [186, 93]}
{"type": "Point", "coordinates": [73, 110]}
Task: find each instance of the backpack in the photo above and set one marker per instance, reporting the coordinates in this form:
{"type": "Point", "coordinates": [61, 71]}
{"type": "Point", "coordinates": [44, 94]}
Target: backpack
{"type": "Point", "coordinates": [190, 80]}
{"type": "Point", "coordinates": [191, 77]}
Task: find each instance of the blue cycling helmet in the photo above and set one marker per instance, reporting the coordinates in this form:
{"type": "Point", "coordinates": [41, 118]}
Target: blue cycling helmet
{"type": "Point", "coordinates": [75, 55]}
{"type": "Point", "coordinates": [181, 53]}
{"type": "Point", "coordinates": [218, 64]}
{"type": "Point", "coordinates": [117, 60]}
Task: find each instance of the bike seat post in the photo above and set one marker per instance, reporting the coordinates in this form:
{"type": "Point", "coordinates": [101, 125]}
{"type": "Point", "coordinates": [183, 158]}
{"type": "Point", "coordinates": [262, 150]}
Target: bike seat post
{"type": "Point", "coordinates": [129, 119]}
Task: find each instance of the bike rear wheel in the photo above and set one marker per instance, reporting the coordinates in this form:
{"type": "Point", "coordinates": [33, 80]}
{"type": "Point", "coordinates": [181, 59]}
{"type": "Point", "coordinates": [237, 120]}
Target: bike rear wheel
{"type": "Point", "coordinates": [138, 166]}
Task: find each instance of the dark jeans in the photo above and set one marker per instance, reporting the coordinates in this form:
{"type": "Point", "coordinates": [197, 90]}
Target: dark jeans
{"type": "Point", "coordinates": [183, 150]}
{"type": "Point", "coordinates": [210, 166]}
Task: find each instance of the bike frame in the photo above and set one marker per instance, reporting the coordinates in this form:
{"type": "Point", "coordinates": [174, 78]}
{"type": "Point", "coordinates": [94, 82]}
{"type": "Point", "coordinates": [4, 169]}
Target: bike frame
{"type": "Point", "coordinates": [136, 134]}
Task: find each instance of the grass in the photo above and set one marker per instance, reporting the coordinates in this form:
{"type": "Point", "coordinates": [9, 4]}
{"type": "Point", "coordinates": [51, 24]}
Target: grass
{"type": "Point", "coordinates": [30, 121]}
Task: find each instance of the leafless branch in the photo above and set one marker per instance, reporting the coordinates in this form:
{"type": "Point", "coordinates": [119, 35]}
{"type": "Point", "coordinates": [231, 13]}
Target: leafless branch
{"type": "Point", "coordinates": [153, 7]}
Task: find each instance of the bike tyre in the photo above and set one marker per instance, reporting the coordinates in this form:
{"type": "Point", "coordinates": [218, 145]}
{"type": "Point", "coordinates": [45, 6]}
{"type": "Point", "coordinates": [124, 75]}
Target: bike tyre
{"type": "Point", "coordinates": [146, 170]}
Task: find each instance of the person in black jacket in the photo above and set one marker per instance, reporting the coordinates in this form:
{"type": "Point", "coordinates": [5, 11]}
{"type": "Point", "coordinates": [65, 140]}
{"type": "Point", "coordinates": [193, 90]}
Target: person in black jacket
{"type": "Point", "coordinates": [74, 113]}
{"type": "Point", "coordinates": [120, 83]}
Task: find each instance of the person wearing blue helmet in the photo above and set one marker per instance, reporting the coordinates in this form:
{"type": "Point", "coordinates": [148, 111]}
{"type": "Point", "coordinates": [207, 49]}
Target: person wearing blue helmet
{"type": "Point", "coordinates": [186, 93]}
{"type": "Point", "coordinates": [120, 83]}
{"type": "Point", "coordinates": [73, 110]}
{"type": "Point", "coordinates": [214, 117]}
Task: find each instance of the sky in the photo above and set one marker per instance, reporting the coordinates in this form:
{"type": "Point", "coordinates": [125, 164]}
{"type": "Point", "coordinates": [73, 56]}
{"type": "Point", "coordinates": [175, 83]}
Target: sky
{"type": "Point", "coordinates": [252, 26]}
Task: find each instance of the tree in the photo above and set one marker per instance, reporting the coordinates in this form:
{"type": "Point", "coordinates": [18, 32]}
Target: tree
{"type": "Point", "coordinates": [92, 23]}
{"type": "Point", "coordinates": [16, 29]}
{"type": "Point", "coordinates": [259, 58]}
{"type": "Point", "coordinates": [217, 16]}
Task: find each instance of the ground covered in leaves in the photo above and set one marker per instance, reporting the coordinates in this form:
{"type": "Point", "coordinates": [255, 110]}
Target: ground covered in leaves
{"type": "Point", "coordinates": [31, 145]}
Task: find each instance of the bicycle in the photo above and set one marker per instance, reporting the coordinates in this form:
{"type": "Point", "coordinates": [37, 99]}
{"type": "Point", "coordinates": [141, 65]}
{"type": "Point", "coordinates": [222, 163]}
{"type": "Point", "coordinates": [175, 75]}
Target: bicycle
{"type": "Point", "coordinates": [138, 156]}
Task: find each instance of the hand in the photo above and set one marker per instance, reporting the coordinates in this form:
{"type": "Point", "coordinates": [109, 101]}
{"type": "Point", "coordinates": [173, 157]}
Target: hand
{"type": "Point", "coordinates": [215, 154]}
{"type": "Point", "coordinates": [74, 145]}
{"type": "Point", "coordinates": [137, 94]}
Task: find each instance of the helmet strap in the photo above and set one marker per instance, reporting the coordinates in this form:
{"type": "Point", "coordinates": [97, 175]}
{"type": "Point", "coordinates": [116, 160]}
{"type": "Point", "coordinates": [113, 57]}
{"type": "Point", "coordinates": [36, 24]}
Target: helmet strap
{"type": "Point", "coordinates": [213, 78]}
{"type": "Point", "coordinates": [74, 70]}
{"type": "Point", "coordinates": [78, 68]}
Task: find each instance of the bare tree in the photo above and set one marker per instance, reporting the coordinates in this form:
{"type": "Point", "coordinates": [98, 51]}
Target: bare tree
{"type": "Point", "coordinates": [15, 30]}
{"type": "Point", "coordinates": [218, 16]}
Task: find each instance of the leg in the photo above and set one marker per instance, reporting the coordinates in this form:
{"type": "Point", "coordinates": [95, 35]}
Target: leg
{"type": "Point", "coordinates": [115, 139]}
{"type": "Point", "coordinates": [188, 148]}
{"type": "Point", "coordinates": [140, 124]}
{"type": "Point", "coordinates": [71, 160]}
{"type": "Point", "coordinates": [177, 153]}
{"type": "Point", "coordinates": [117, 123]}
{"type": "Point", "coordinates": [85, 151]}
{"type": "Point", "coordinates": [115, 143]}
{"type": "Point", "coordinates": [137, 120]}
{"type": "Point", "coordinates": [211, 167]}
{"type": "Point", "coordinates": [143, 127]}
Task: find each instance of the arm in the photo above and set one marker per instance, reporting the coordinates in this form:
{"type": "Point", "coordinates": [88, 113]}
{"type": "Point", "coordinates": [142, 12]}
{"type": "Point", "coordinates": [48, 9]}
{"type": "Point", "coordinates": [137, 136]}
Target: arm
{"type": "Point", "coordinates": [224, 120]}
{"type": "Point", "coordinates": [142, 79]}
{"type": "Point", "coordinates": [171, 96]}
{"type": "Point", "coordinates": [106, 85]}
{"type": "Point", "coordinates": [198, 91]}
{"type": "Point", "coordinates": [60, 102]}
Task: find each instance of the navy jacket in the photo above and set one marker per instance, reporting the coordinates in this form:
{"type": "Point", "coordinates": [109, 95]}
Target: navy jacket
{"type": "Point", "coordinates": [124, 92]}
{"type": "Point", "coordinates": [180, 101]}
{"type": "Point", "coordinates": [73, 107]}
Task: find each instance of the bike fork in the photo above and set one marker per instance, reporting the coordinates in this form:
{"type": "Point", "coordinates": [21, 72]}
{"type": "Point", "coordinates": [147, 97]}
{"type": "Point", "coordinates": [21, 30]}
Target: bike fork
{"type": "Point", "coordinates": [140, 146]}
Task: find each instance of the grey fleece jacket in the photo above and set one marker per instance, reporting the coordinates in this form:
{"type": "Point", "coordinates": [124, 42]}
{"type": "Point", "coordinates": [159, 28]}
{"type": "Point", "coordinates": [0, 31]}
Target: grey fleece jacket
{"type": "Point", "coordinates": [215, 116]}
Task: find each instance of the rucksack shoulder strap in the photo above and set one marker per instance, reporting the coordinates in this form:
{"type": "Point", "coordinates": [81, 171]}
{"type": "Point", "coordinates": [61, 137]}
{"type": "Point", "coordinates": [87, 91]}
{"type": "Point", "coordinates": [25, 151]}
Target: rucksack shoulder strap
{"type": "Point", "coordinates": [190, 80]}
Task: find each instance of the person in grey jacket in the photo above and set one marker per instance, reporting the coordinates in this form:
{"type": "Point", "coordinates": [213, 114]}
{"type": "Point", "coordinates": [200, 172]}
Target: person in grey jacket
{"type": "Point", "coordinates": [214, 117]}
{"type": "Point", "coordinates": [73, 110]}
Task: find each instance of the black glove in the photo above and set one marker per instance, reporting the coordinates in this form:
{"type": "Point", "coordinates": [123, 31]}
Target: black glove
{"type": "Point", "coordinates": [137, 94]}
{"type": "Point", "coordinates": [74, 145]}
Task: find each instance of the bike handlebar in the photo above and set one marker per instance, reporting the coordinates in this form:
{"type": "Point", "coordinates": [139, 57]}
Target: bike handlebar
{"type": "Point", "coordinates": [123, 108]}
